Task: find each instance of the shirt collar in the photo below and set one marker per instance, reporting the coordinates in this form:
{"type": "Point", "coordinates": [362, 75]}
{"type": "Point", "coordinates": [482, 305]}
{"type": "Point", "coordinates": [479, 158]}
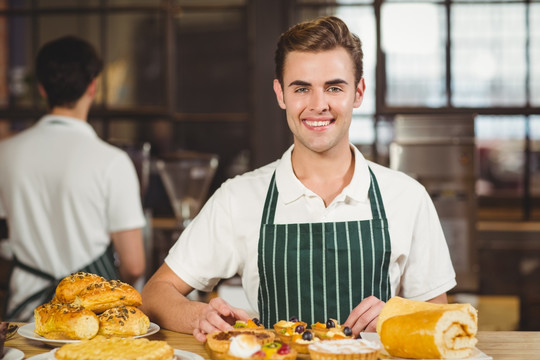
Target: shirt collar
{"type": "Point", "coordinates": [71, 122]}
{"type": "Point", "coordinates": [291, 189]}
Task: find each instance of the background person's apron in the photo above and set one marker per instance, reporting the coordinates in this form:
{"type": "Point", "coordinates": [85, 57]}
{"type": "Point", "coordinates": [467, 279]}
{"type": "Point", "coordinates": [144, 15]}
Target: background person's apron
{"type": "Point", "coordinates": [316, 271]}
{"type": "Point", "coordinates": [103, 266]}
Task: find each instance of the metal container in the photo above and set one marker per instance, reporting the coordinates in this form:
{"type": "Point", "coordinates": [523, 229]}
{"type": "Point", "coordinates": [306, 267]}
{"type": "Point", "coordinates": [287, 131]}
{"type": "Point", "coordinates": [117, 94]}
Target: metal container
{"type": "Point", "coordinates": [439, 152]}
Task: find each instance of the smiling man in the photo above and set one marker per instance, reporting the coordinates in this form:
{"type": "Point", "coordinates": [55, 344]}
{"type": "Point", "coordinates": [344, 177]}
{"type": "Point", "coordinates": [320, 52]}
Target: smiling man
{"type": "Point", "coordinates": [322, 232]}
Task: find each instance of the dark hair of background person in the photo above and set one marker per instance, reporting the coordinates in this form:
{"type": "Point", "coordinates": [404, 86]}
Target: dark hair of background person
{"type": "Point", "coordinates": [325, 33]}
{"type": "Point", "coordinates": [65, 67]}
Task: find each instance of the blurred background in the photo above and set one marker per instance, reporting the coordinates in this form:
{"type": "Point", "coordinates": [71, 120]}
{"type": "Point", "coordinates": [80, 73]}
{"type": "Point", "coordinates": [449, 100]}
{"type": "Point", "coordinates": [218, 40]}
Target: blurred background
{"type": "Point", "coordinates": [453, 99]}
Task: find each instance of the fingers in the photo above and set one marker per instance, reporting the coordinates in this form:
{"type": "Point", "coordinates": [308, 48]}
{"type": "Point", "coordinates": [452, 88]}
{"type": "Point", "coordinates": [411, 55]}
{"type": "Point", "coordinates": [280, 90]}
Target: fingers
{"type": "Point", "coordinates": [218, 316]}
{"type": "Point", "coordinates": [365, 315]}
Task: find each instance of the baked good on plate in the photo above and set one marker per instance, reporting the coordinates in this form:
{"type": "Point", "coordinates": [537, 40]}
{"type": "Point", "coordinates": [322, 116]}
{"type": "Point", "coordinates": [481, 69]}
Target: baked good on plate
{"type": "Point", "coordinates": [65, 321]}
{"type": "Point", "coordinates": [431, 331]}
{"type": "Point", "coordinates": [283, 325]}
{"type": "Point", "coordinates": [123, 321]}
{"type": "Point", "coordinates": [219, 341]}
{"type": "Point", "coordinates": [251, 324]}
{"type": "Point", "coordinates": [332, 330]}
{"type": "Point", "coordinates": [247, 346]}
{"type": "Point", "coordinates": [70, 286]}
{"type": "Point", "coordinates": [100, 296]}
{"type": "Point", "coordinates": [101, 348]}
{"type": "Point", "coordinates": [344, 349]}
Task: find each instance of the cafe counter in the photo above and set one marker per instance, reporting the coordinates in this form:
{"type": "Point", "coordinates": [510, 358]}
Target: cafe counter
{"type": "Point", "coordinates": [501, 345]}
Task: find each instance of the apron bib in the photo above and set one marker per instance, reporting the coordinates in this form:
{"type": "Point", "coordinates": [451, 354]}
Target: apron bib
{"type": "Point", "coordinates": [103, 266]}
{"type": "Point", "coordinates": [316, 271]}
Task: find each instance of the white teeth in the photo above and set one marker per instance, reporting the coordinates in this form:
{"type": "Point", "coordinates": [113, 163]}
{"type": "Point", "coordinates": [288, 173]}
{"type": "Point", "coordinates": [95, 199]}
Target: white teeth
{"type": "Point", "coordinates": [318, 123]}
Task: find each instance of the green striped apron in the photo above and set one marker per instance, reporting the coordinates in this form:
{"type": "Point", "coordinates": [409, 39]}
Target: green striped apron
{"type": "Point", "coordinates": [103, 266]}
{"type": "Point", "coordinates": [316, 271]}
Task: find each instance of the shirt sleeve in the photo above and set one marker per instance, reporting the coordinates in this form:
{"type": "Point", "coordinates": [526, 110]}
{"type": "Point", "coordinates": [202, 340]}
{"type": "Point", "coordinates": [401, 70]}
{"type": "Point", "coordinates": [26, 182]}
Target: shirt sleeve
{"type": "Point", "coordinates": [429, 271]}
{"type": "Point", "coordinates": [124, 208]}
{"type": "Point", "coordinates": [206, 252]}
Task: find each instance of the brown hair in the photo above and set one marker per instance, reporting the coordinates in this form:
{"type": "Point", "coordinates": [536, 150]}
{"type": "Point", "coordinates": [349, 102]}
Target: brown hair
{"type": "Point", "coordinates": [324, 33]}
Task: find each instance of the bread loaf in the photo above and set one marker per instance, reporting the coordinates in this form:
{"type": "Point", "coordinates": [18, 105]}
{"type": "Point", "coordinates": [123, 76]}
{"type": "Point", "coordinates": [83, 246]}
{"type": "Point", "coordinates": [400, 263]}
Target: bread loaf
{"type": "Point", "coordinates": [100, 296]}
{"type": "Point", "coordinates": [65, 321]}
{"type": "Point", "coordinates": [123, 321]}
{"type": "Point", "coordinates": [70, 286]}
{"type": "Point", "coordinates": [420, 330]}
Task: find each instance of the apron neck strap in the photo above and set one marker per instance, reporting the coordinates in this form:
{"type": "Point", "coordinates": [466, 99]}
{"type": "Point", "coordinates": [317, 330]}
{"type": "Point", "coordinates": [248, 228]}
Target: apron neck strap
{"type": "Point", "coordinates": [374, 195]}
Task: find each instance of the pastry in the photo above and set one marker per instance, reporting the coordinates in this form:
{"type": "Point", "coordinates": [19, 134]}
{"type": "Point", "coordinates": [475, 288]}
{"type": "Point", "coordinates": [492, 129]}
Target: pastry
{"type": "Point", "coordinates": [247, 346]}
{"type": "Point", "coordinates": [101, 348]}
{"type": "Point", "coordinates": [123, 321]}
{"type": "Point", "coordinates": [430, 331]}
{"type": "Point", "coordinates": [100, 296]}
{"type": "Point", "coordinates": [344, 349]}
{"type": "Point", "coordinates": [252, 324]}
{"type": "Point", "coordinates": [70, 286]}
{"type": "Point", "coordinates": [282, 325]}
{"type": "Point", "coordinates": [65, 321]}
{"type": "Point", "coordinates": [300, 342]}
{"type": "Point", "coordinates": [219, 341]}
{"type": "Point", "coordinates": [332, 330]}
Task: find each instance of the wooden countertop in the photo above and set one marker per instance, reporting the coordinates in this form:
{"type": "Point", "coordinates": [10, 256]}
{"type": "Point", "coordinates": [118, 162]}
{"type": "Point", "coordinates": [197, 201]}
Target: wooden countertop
{"type": "Point", "coordinates": [501, 345]}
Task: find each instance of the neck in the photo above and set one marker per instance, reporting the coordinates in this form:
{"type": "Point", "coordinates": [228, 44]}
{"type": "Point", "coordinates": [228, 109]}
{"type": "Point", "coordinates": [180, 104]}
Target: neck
{"type": "Point", "coordinates": [79, 111]}
{"type": "Point", "coordinates": [326, 174]}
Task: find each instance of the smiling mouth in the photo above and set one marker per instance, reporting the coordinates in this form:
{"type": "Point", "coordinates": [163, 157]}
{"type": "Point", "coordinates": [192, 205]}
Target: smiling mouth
{"type": "Point", "coordinates": [318, 123]}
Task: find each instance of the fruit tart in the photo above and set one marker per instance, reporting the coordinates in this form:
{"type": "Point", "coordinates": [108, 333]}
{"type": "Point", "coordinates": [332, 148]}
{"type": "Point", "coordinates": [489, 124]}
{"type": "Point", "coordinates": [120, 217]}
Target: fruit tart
{"type": "Point", "coordinates": [284, 326]}
{"type": "Point", "coordinates": [219, 341]}
{"type": "Point", "coordinates": [332, 330]}
{"type": "Point", "coordinates": [252, 324]}
{"type": "Point", "coordinates": [301, 341]}
{"type": "Point", "coordinates": [246, 346]}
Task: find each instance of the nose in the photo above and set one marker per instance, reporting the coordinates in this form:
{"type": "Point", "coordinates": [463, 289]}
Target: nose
{"type": "Point", "coordinates": [318, 102]}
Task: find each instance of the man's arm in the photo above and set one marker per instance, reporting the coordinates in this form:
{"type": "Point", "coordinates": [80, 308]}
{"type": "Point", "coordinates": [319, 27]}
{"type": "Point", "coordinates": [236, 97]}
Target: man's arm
{"type": "Point", "coordinates": [165, 302]}
{"type": "Point", "coordinates": [129, 246]}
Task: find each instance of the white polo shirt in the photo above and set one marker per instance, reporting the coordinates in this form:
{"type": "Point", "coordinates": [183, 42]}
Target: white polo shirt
{"type": "Point", "coordinates": [222, 240]}
{"type": "Point", "coordinates": [63, 191]}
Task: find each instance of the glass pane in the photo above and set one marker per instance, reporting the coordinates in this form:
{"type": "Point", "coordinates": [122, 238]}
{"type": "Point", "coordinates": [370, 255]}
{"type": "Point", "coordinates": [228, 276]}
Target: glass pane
{"type": "Point", "coordinates": [500, 163]}
{"type": "Point", "coordinates": [21, 85]}
{"type": "Point", "coordinates": [361, 21]}
{"type": "Point", "coordinates": [534, 23]}
{"type": "Point", "coordinates": [413, 41]}
{"type": "Point", "coordinates": [212, 61]}
{"type": "Point", "coordinates": [362, 130]}
{"type": "Point", "coordinates": [488, 54]}
{"type": "Point", "coordinates": [135, 61]}
{"type": "Point", "coordinates": [331, 2]}
{"type": "Point", "coordinates": [4, 52]}
{"type": "Point", "coordinates": [535, 165]}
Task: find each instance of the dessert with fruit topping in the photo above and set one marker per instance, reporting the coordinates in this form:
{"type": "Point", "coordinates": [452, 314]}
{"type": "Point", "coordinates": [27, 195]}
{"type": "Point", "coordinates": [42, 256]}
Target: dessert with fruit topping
{"type": "Point", "coordinates": [332, 330]}
{"type": "Point", "coordinates": [252, 324]}
{"type": "Point", "coordinates": [3, 332]}
{"type": "Point", "coordinates": [284, 325]}
{"type": "Point", "coordinates": [344, 349]}
{"type": "Point", "coordinates": [301, 341]}
{"type": "Point", "coordinates": [219, 341]}
{"type": "Point", "coordinates": [246, 346]}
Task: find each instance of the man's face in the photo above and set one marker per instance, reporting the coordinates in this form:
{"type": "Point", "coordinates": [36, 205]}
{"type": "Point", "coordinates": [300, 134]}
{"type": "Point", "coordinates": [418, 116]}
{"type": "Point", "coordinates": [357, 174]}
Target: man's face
{"type": "Point", "coordinates": [319, 94]}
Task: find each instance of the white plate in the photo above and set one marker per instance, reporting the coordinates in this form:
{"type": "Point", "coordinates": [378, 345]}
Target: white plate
{"type": "Point", "coordinates": [27, 331]}
{"type": "Point", "coordinates": [12, 354]}
{"type": "Point", "coordinates": [179, 355]}
{"type": "Point", "coordinates": [372, 336]}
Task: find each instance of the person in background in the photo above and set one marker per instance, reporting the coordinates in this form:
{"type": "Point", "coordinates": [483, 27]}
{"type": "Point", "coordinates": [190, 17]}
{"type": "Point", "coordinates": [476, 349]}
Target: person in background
{"type": "Point", "coordinates": [64, 192]}
{"type": "Point", "coordinates": [321, 233]}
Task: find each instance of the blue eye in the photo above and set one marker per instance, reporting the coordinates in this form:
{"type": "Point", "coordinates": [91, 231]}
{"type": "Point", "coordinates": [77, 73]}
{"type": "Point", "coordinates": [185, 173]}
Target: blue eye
{"type": "Point", "coordinates": [301, 90]}
{"type": "Point", "coordinates": [334, 89]}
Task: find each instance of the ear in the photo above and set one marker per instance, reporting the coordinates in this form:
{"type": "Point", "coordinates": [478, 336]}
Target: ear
{"type": "Point", "coordinates": [359, 93]}
{"type": "Point", "coordinates": [42, 91]}
{"type": "Point", "coordinates": [279, 94]}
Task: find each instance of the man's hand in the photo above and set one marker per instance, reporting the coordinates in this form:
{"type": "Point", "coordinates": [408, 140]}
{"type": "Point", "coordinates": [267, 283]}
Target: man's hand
{"type": "Point", "coordinates": [217, 316]}
{"type": "Point", "coordinates": [365, 315]}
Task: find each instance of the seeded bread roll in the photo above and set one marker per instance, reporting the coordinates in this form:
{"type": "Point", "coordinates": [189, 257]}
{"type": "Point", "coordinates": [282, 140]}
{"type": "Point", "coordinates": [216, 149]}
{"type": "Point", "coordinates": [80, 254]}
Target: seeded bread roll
{"type": "Point", "coordinates": [123, 321]}
{"type": "Point", "coordinates": [68, 289]}
{"type": "Point", "coordinates": [65, 321]}
{"type": "Point", "coordinates": [104, 295]}
{"type": "Point", "coordinates": [101, 348]}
